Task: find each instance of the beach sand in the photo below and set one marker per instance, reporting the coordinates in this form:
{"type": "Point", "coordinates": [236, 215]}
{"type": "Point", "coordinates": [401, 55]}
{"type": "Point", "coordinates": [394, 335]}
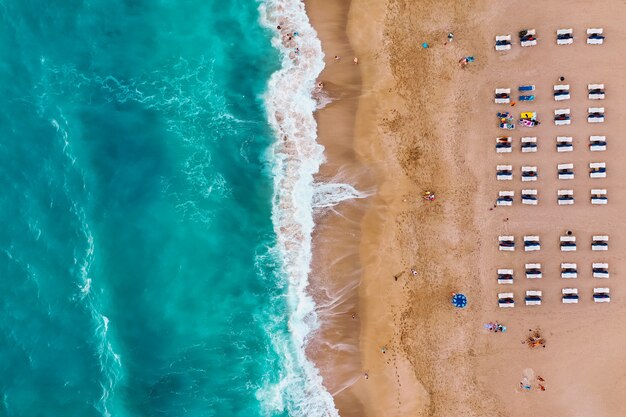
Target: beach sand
{"type": "Point", "coordinates": [409, 119]}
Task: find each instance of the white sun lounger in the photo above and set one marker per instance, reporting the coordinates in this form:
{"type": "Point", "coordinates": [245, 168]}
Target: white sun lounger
{"type": "Point", "coordinates": [561, 92]}
{"type": "Point", "coordinates": [531, 243]}
{"type": "Point", "coordinates": [594, 36]}
{"type": "Point", "coordinates": [533, 298]}
{"type": "Point", "coordinates": [565, 171]}
{"type": "Point", "coordinates": [505, 198]}
{"type": "Point", "coordinates": [600, 243]}
{"type": "Point", "coordinates": [569, 271]}
{"type": "Point", "coordinates": [562, 112]}
{"type": "Point", "coordinates": [529, 144]}
{"type": "Point", "coordinates": [569, 295]}
{"type": "Point", "coordinates": [529, 197]}
{"type": "Point", "coordinates": [595, 115]}
{"type": "Point", "coordinates": [597, 143]}
{"type": "Point", "coordinates": [505, 300]}
{"type": "Point", "coordinates": [504, 144]}
{"type": "Point", "coordinates": [568, 243]}
{"type": "Point", "coordinates": [596, 91]}
{"type": "Point", "coordinates": [564, 144]}
{"type": "Point", "coordinates": [601, 295]}
{"type": "Point", "coordinates": [533, 271]}
{"type": "Point", "coordinates": [564, 36]}
{"type": "Point", "coordinates": [505, 276]}
{"type": "Point", "coordinates": [504, 172]}
{"type": "Point", "coordinates": [600, 270]}
{"type": "Point", "coordinates": [505, 42]}
{"type": "Point", "coordinates": [597, 170]}
{"type": "Point", "coordinates": [598, 196]}
{"type": "Point", "coordinates": [565, 197]}
{"type": "Point", "coordinates": [529, 174]}
{"type": "Point", "coordinates": [506, 243]}
{"type": "Point", "coordinates": [503, 100]}
{"type": "Point", "coordinates": [529, 43]}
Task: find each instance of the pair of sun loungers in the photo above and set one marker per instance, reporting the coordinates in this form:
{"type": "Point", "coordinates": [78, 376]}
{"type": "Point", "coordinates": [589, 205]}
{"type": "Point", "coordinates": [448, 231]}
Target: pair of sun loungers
{"type": "Point", "coordinates": [568, 296]}
{"type": "Point", "coordinates": [594, 92]}
{"type": "Point", "coordinates": [600, 295]}
{"type": "Point", "coordinates": [598, 197]}
{"type": "Point", "coordinates": [507, 243]}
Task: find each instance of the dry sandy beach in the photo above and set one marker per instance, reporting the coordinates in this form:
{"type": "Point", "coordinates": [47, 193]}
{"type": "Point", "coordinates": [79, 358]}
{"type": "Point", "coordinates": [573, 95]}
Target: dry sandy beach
{"type": "Point", "coordinates": [407, 120]}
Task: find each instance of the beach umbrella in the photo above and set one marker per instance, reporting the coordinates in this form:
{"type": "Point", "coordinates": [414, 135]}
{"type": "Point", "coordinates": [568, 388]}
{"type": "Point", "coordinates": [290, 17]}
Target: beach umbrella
{"type": "Point", "coordinates": [459, 300]}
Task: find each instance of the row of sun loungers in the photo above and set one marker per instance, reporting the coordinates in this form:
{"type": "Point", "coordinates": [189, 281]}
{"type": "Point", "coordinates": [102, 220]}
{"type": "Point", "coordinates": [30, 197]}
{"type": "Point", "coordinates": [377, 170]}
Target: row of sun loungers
{"type": "Point", "coordinates": [566, 243]}
{"type": "Point", "coordinates": [561, 92]}
{"type": "Point", "coordinates": [564, 171]}
{"type": "Point", "coordinates": [564, 197]}
{"type": "Point", "coordinates": [528, 37]}
{"type": "Point", "coordinates": [568, 271]}
{"type": "Point", "coordinates": [504, 144]}
{"type": "Point", "coordinates": [568, 296]}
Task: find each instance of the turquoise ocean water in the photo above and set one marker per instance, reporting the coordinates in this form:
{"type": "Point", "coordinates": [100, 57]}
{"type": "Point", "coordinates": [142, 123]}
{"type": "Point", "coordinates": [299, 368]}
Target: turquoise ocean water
{"type": "Point", "coordinates": [139, 273]}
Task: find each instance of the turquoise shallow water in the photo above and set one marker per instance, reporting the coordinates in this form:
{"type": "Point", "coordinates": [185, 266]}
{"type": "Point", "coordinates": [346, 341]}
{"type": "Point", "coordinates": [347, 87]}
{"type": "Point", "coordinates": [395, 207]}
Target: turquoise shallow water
{"type": "Point", "coordinates": [137, 272]}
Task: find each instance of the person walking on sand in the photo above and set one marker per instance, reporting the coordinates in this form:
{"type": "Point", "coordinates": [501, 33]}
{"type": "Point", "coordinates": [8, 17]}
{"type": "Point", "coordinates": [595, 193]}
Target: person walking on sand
{"type": "Point", "coordinates": [337, 57]}
{"type": "Point", "coordinates": [356, 61]}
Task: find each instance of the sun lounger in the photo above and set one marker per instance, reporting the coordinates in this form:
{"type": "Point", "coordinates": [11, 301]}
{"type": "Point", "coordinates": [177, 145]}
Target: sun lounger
{"type": "Point", "coordinates": [504, 144]}
{"type": "Point", "coordinates": [601, 295]}
{"type": "Point", "coordinates": [531, 243]}
{"type": "Point", "coordinates": [529, 144]}
{"type": "Point", "coordinates": [506, 243]}
{"type": "Point", "coordinates": [564, 36]}
{"type": "Point", "coordinates": [597, 143]}
{"type": "Point", "coordinates": [568, 243]}
{"type": "Point", "coordinates": [503, 95]}
{"type": "Point", "coordinates": [505, 276]}
{"type": "Point", "coordinates": [598, 196]}
{"type": "Point", "coordinates": [565, 197]}
{"type": "Point", "coordinates": [564, 144]}
{"type": "Point", "coordinates": [504, 172]}
{"type": "Point", "coordinates": [528, 87]}
{"type": "Point", "coordinates": [596, 91]}
{"type": "Point", "coordinates": [529, 174]}
{"type": "Point", "coordinates": [569, 271]}
{"type": "Point", "coordinates": [597, 170]}
{"type": "Point", "coordinates": [505, 198]}
{"type": "Point", "coordinates": [569, 295]}
{"type": "Point", "coordinates": [562, 117]}
{"type": "Point", "coordinates": [533, 271]}
{"type": "Point", "coordinates": [526, 97]}
{"type": "Point", "coordinates": [561, 92]}
{"type": "Point", "coordinates": [600, 243]}
{"type": "Point", "coordinates": [505, 300]}
{"type": "Point", "coordinates": [503, 42]}
{"type": "Point", "coordinates": [595, 36]}
{"type": "Point", "coordinates": [528, 38]}
{"type": "Point", "coordinates": [595, 115]}
{"type": "Point", "coordinates": [533, 298]}
{"type": "Point", "coordinates": [600, 270]}
{"type": "Point", "coordinates": [565, 171]}
{"type": "Point", "coordinates": [529, 197]}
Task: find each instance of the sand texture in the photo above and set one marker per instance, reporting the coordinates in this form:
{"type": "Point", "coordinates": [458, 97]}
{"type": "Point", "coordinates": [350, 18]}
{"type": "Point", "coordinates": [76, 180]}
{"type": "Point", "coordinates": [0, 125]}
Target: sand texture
{"type": "Point", "coordinates": [409, 119]}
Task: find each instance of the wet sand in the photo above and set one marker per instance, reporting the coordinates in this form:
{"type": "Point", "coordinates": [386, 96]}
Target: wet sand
{"type": "Point", "coordinates": [410, 120]}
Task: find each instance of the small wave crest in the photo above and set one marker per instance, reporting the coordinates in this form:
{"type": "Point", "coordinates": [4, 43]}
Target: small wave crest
{"type": "Point", "coordinates": [291, 99]}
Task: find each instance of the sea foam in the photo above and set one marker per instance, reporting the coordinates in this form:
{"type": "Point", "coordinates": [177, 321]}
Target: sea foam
{"type": "Point", "coordinates": [296, 157]}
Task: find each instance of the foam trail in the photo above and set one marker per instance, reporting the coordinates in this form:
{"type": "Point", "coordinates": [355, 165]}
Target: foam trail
{"type": "Point", "coordinates": [296, 157]}
{"type": "Point", "coordinates": [328, 195]}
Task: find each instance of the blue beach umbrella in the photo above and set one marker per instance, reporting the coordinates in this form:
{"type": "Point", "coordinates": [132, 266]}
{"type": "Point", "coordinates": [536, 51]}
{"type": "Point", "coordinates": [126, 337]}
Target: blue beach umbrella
{"type": "Point", "coordinates": [459, 300]}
